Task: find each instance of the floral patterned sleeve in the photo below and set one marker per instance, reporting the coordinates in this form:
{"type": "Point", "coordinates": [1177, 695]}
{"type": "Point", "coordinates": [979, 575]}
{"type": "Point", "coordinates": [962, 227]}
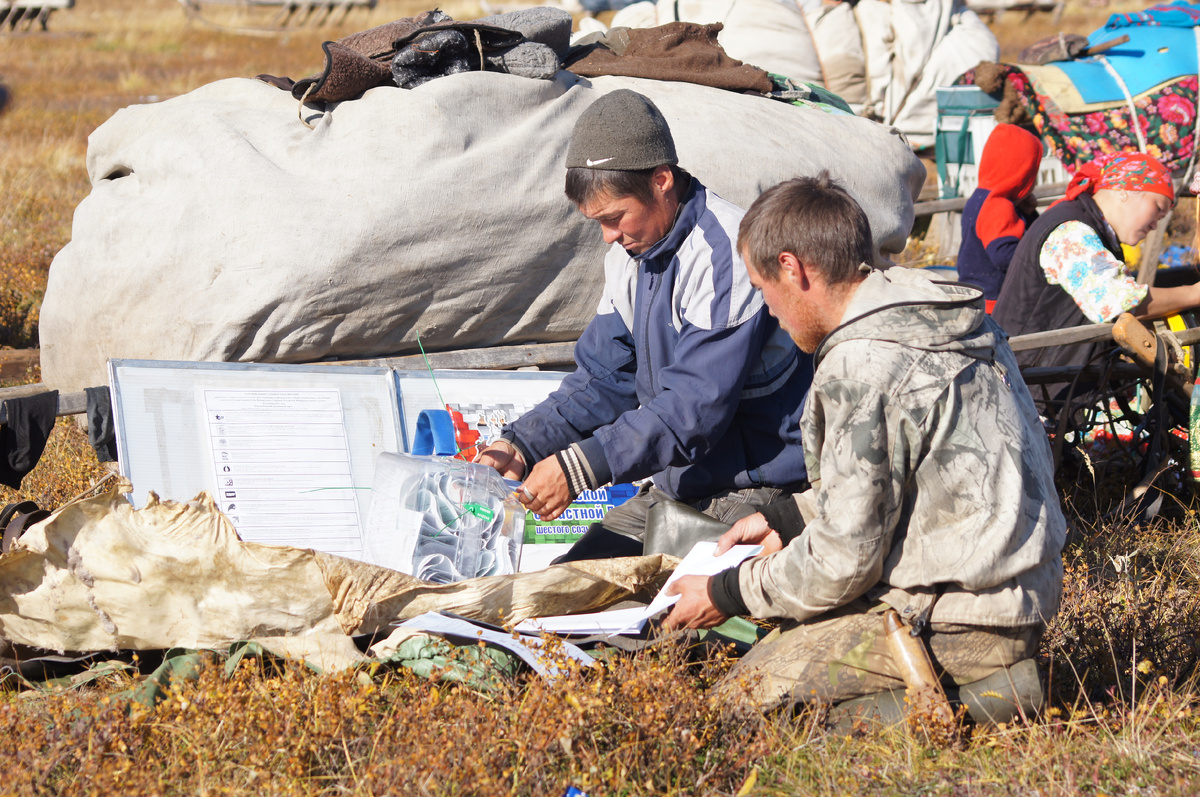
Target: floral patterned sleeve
{"type": "Point", "coordinates": [1074, 258]}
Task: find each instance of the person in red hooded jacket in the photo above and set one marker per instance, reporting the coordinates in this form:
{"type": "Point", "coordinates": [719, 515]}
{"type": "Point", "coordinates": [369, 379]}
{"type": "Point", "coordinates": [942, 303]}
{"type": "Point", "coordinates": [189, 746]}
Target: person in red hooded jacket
{"type": "Point", "coordinates": [1000, 209]}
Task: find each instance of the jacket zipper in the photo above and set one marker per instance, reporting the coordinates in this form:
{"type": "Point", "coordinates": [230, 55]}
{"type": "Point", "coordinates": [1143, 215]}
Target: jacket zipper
{"type": "Point", "coordinates": [653, 287]}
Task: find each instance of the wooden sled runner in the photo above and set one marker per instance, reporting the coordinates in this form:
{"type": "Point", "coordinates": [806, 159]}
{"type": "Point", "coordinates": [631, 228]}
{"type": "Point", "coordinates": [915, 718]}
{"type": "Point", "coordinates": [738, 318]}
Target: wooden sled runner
{"type": "Point", "coordinates": [286, 13]}
{"type": "Point", "coordinates": [24, 14]}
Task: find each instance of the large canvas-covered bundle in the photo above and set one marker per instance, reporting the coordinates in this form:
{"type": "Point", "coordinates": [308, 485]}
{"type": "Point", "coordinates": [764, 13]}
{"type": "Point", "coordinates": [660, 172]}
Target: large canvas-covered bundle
{"type": "Point", "coordinates": [924, 44]}
{"type": "Point", "coordinates": [221, 227]}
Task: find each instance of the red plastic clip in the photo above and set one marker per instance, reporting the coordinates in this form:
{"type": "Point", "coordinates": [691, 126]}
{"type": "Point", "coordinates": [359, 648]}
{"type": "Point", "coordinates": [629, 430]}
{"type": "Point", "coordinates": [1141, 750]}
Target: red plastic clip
{"type": "Point", "coordinates": [466, 437]}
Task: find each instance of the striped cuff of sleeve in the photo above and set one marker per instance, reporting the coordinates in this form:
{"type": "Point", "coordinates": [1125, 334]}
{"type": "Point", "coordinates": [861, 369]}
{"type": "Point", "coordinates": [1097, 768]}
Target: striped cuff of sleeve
{"type": "Point", "coordinates": [578, 470]}
{"type": "Point", "coordinates": [726, 593]}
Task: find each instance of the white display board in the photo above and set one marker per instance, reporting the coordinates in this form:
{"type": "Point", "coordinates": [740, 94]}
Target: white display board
{"type": "Point", "coordinates": [288, 451]}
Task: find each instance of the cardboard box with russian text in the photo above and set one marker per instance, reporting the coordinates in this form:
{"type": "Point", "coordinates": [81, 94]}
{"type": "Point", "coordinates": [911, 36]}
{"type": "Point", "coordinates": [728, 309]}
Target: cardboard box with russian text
{"type": "Point", "coordinates": [546, 539]}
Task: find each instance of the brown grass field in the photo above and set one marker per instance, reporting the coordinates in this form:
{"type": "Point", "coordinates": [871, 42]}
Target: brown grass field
{"type": "Point", "coordinates": [1121, 655]}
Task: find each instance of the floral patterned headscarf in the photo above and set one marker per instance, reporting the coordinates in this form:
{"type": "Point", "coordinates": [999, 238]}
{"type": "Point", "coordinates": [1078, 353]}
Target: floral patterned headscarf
{"type": "Point", "coordinates": [1121, 171]}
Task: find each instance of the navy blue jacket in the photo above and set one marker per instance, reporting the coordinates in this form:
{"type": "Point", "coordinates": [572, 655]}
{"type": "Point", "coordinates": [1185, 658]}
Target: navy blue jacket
{"type": "Point", "coordinates": [682, 375]}
{"type": "Point", "coordinates": [985, 262]}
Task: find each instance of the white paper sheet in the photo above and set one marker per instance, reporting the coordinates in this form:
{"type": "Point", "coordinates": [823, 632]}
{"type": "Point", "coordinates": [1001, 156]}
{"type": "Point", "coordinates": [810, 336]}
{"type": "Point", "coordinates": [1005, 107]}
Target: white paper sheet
{"type": "Point", "coordinates": [617, 621]}
{"type": "Point", "coordinates": [699, 562]}
{"type": "Point", "coordinates": [282, 465]}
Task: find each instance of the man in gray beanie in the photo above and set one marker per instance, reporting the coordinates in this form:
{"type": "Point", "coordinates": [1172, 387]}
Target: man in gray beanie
{"type": "Point", "coordinates": [683, 375]}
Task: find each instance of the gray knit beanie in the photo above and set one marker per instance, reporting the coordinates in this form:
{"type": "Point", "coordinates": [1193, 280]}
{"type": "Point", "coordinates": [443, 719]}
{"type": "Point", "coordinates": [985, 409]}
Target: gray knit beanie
{"type": "Point", "coordinates": [622, 131]}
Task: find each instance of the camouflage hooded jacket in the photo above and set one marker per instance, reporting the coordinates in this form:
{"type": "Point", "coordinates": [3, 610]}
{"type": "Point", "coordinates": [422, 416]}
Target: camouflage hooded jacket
{"type": "Point", "coordinates": [933, 485]}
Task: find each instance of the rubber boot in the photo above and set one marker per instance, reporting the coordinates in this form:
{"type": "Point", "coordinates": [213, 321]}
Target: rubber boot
{"type": "Point", "coordinates": [1003, 696]}
{"type": "Point", "coordinates": [600, 543]}
{"type": "Point", "coordinates": [872, 712]}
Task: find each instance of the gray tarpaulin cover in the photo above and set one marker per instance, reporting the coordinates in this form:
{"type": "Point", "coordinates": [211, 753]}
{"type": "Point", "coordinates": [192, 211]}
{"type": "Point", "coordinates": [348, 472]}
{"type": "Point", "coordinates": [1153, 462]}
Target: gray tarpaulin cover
{"type": "Point", "coordinates": [101, 575]}
{"type": "Point", "coordinates": [220, 227]}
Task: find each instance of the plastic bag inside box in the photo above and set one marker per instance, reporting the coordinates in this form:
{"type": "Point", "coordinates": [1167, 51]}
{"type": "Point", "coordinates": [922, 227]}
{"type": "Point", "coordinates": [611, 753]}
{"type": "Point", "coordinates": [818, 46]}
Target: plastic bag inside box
{"type": "Point", "coordinates": [442, 520]}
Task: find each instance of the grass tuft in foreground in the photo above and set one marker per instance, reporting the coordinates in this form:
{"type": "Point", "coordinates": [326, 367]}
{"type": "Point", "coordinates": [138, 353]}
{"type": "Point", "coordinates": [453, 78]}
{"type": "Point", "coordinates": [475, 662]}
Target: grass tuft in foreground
{"type": "Point", "coordinates": [637, 726]}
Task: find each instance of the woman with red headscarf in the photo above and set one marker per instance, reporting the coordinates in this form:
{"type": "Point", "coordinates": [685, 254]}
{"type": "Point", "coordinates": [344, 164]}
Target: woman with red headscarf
{"type": "Point", "coordinates": [1069, 270]}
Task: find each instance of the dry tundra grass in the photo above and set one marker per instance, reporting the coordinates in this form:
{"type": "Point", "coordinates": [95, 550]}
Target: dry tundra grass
{"type": "Point", "coordinates": [1121, 655]}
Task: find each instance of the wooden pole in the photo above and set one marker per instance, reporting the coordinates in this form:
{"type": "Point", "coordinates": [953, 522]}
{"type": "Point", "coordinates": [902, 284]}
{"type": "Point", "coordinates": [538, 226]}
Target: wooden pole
{"type": "Point", "coordinates": [1045, 194]}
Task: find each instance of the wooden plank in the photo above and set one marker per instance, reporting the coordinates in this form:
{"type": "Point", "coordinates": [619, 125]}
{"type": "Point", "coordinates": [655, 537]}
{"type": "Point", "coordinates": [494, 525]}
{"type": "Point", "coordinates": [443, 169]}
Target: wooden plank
{"type": "Point", "coordinates": [68, 403]}
{"type": "Point", "coordinates": [562, 354]}
{"type": "Point", "coordinates": [1085, 334]}
{"type": "Point", "coordinates": [541, 355]}
{"type": "Point", "coordinates": [22, 390]}
{"type": "Point", "coordinates": [1044, 193]}
{"type": "Point", "coordinates": [1188, 337]}
{"type": "Point", "coordinates": [940, 206]}
{"type": "Point", "coordinates": [1089, 333]}
{"type": "Point", "coordinates": [72, 403]}
{"type": "Point", "coordinates": [556, 354]}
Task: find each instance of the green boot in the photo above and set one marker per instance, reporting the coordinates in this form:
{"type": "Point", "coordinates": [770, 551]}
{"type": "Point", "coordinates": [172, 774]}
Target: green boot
{"type": "Point", "coordinates": [874, 711]}
{"type": "Point", "coordinates": [1003, 696]}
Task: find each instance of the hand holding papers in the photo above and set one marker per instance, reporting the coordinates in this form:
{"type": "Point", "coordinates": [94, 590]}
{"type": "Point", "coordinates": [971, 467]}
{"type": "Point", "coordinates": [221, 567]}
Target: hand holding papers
{"type": "Point", "coordinates": [699, 562]}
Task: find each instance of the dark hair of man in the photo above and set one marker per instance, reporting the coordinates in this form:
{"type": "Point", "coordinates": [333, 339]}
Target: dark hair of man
{"type": "Point", "coordinates": [584, 185]}
{"type": "Point", "coordinates": [813, 218]}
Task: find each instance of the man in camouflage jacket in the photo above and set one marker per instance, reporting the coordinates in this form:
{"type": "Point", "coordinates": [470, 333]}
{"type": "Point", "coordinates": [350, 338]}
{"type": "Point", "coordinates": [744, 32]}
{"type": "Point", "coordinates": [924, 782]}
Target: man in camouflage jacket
{"type": "Point", "coordinates": [933, 488]}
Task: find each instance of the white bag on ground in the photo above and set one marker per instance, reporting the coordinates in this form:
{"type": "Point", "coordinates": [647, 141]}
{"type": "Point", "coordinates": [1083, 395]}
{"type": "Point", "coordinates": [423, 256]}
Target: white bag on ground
{"type": "Point", "coordinates": [221, 228]}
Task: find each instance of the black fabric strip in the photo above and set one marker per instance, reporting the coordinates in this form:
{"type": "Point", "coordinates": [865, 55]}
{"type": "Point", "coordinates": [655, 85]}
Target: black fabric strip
{"type": "Point", "coordinates": [726, 593]}
{"type": "Point", "coordinates": [784, 517]}
{"type": "Point", "coordinates": [102, 434]}
{"type": "Point", "coordinates": [23, 437]}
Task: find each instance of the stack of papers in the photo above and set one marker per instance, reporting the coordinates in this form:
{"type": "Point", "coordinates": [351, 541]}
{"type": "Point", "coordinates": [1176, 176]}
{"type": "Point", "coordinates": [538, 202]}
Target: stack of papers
{"type": "Point", "coordinates": [700, 561]}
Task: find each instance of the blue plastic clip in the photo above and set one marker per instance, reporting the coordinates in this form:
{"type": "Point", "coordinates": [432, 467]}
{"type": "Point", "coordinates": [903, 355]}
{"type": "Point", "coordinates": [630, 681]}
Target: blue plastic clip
{"type": "Point", "coordinates": [435, 434]}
